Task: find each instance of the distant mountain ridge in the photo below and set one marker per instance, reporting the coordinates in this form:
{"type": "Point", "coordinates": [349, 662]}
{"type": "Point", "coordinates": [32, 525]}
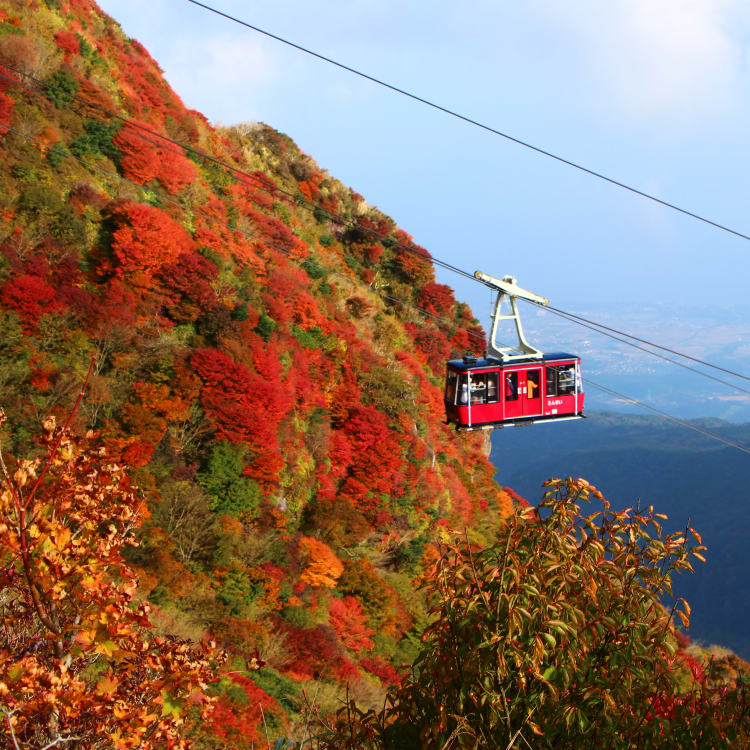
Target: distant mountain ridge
{"type": "Point", "coordinates": [682, 473]}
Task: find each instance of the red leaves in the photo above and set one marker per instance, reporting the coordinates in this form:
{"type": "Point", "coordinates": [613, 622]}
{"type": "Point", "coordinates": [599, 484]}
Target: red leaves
{"type": "Point", "coordinates": [68, 42]}
{"type": "Point", "coordinates": [437, 299]}
{"type": "Point", "coordinates": [245, 407]}
{"type": "Point", "coordinates": [350, 624]}
{"type": "Point", "coordinates": [146, 156]}
{"type": "Point", "coordinates": [6, 110]}
{"type": "Point", "coordinates": [145, 239]}
{"type": "Point", "coordinates": [188, 279]}
{"type": "Point", "coordinates": [30, 296]}
{"type": "Point", "coordinates": [276, 234]}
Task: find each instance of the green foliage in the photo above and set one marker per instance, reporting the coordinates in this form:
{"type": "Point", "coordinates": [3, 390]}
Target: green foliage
{"type": "Point", "coordinates": [240, 312]}
{"type": "Point", "coordinates": [9, 28]}
{"type": "Point", "coordinates": [554, 637]}
{"type": "Point", "coordinates": [86, 49]}
{"type": "Point", "coordinates": [40, 199]}
{"type": "Point", "coordinates": [326, 240]}
{"type": "Point", "coordinates": [313, 269]}
{"type": "Point", "coordinates": [25, 171]}
{"type": "Point", "coordinates": [62, 88]}
{"type": "Point", "coordinates": [238, 591]}
{"type": "Point", "coordinates": [312, 338]}
{"type": "Point", "coordinates": [287, 692]}
{"type": "Point", "coordinates": [97, 140]}
{"type": "Point", "coordinates": [266, 326]}
{"type": "Point", "coordinates": [389, 390]}
{"type": "Point", "coordinates": [44, 206]}
{"type": "Point", "coordinates": [56, 155]}
{"type": "Point", "coordinates": [222, 480]}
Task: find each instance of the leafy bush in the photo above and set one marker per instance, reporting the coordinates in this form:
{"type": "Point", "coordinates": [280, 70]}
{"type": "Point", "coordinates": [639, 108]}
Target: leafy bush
{"type": "Point", "coordinates": [97, 140]}
{"type": "Point", "coordinates": [555, 637]}
{"type": "Point", "coordinates": [266, 326]}
{"type": "Point", "coordinates": [62, 88]}
{"type": "Point", "coordinates": [222, 480]}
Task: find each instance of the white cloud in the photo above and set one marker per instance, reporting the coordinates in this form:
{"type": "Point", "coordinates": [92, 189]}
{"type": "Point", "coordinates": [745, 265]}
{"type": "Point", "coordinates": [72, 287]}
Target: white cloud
{"type": "Point", "coordinates": [676, 60]}
{"type": "Point", "coordinates": [221, 74]}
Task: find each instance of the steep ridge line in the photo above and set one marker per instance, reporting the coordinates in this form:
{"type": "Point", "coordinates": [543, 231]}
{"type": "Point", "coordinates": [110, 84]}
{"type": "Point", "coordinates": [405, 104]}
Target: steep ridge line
{"type": "Point", "coordinates": [258, 184]}
{"type": "Point", "coordinates": [300, 199]}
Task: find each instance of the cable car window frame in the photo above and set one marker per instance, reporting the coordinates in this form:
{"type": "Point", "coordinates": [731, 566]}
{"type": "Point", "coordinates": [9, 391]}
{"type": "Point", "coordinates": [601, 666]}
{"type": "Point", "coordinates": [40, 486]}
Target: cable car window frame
{"type": "Point", "coordinates": [451, 387]}
{"type": "Point", "coordinates": [562, 380]}
{"type": "Point", "coordinates": [482, 384]}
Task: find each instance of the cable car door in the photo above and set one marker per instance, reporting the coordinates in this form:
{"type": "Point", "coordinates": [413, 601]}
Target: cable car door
{"type": "Point", "coordinates": [530, 392]}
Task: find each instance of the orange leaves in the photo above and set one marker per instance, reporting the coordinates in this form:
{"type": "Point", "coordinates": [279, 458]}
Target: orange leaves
{"type": "Point", "coordinates": [144, 240]}
{"type": "Point", "coordinates": [75, 605]}
{"type": "Point", "coordinates": [145, 157]}
{"type": "Point", "coordinates": [322, 567]}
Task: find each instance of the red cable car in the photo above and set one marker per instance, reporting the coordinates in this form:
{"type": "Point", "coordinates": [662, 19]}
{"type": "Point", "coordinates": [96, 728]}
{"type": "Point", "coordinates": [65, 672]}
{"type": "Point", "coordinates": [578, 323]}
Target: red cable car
{"type": "Point", "coordinates": [512, 385]}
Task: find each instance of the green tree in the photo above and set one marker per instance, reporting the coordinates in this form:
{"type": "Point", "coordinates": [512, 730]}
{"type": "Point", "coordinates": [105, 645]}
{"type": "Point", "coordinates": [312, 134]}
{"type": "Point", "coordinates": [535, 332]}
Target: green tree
{"type": "Point", "coordinates": [555, 637]}
{"type": "Point", "coordinates": [222, 480]}
{"type": "Point", "coordinates": [62, 88]}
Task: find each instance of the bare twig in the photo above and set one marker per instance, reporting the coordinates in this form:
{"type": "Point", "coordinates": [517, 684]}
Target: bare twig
{"type": "Point", "coordinates": [8, 715]}
{"type": "Point", "coordinates": [265, 728]}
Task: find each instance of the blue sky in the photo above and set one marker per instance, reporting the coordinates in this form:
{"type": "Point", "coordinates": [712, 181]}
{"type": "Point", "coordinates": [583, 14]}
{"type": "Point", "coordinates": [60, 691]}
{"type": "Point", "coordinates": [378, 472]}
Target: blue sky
{"type": "Point", "coordinates": [654, 93]}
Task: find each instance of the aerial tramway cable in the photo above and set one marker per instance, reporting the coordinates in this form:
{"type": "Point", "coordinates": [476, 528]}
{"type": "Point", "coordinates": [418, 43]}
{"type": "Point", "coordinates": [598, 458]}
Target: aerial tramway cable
{"type": "Point", "coordinates": [586, 323]}
{"type": "Point", "coordinates": [572, 319]}
{"type": "Point", "coordinates": [471, 121]}
{"type": "Point", "coordinates": [374, 232]}
{"type": "Point", "coordinates": [144, 132]}
{"type": "Point", "coordinates": [426, 313]}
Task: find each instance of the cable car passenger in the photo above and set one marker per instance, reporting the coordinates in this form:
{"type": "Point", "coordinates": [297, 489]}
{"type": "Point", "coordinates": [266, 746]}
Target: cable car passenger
{"type": "Point", "coordinates": [511, 389]}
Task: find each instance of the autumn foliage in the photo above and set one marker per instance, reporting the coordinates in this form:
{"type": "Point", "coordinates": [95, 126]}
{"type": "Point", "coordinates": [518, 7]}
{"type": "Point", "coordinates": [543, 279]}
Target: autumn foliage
{"type": "Point", "coordinates": [263, 375]}
{"type": "Point", "coordinates": [77, 660]}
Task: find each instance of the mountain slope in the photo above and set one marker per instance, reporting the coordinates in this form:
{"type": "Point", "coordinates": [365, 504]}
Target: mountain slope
{"type": "Point", "coordinates": [259, 363]}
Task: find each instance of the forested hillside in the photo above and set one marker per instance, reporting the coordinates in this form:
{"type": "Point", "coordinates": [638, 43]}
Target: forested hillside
{"type": "Point", "coordinates": [225, 472]}
{"type": "Point", "coordinates": [258, 364]}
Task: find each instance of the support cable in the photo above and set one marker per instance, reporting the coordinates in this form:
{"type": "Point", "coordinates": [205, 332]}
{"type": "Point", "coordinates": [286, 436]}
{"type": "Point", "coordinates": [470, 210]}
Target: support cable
{"type": "Point", "coordinates": [571, 319]}
{"type": "Point", "coordinates": [143, 132]}
{"type": "Point", "coordinates": [249, 235]}
{"type": "Point", "coordinates": [471, 121]}
{"type": "Point", "coordinates": [336, 217]}
{"type": "Point", "coordinates": [583, 321]}
{"type": "Point", "coordinates": [677, 420]}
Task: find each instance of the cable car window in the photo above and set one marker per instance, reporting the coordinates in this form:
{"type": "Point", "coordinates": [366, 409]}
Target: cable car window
{"type": "Point", "coordinates": [566, 383]}
{"type": "Point", "coordinates": [561, 380]}
{"type": "Point", "coordinates": [511, 386]}
{"type": "Point", "coordinates": [450, 386]}
{"type": "Point", "coordinates": [492, 389]}
{"type": "Point", "coordinates": [463, 391]}
{"type": "Point", "coordinates": [484, 388]}
{"type": "Point", "coordinates": [532, 383]}
{"type": "Point", "coordinates": [551, 381]}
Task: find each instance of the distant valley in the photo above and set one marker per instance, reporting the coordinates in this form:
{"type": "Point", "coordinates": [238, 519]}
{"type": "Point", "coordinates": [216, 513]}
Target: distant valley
{"type": "Point", "coordinates": [682, 473]}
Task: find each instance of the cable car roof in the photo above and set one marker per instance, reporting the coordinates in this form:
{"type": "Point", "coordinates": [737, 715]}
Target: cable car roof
{"type": "Point", "coordinates": [478, 363]}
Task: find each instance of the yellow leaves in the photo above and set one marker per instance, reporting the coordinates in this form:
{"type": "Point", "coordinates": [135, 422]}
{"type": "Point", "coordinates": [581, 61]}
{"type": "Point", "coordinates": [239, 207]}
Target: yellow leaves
{"type": "Point", "coordinates": [699, 556]}
{"type": "Point", "coordinates": [323, 568]}
{"type": "Point", "coordinates": [107, 686]}
{"type": "Point", "coordinates": [169, 707]}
